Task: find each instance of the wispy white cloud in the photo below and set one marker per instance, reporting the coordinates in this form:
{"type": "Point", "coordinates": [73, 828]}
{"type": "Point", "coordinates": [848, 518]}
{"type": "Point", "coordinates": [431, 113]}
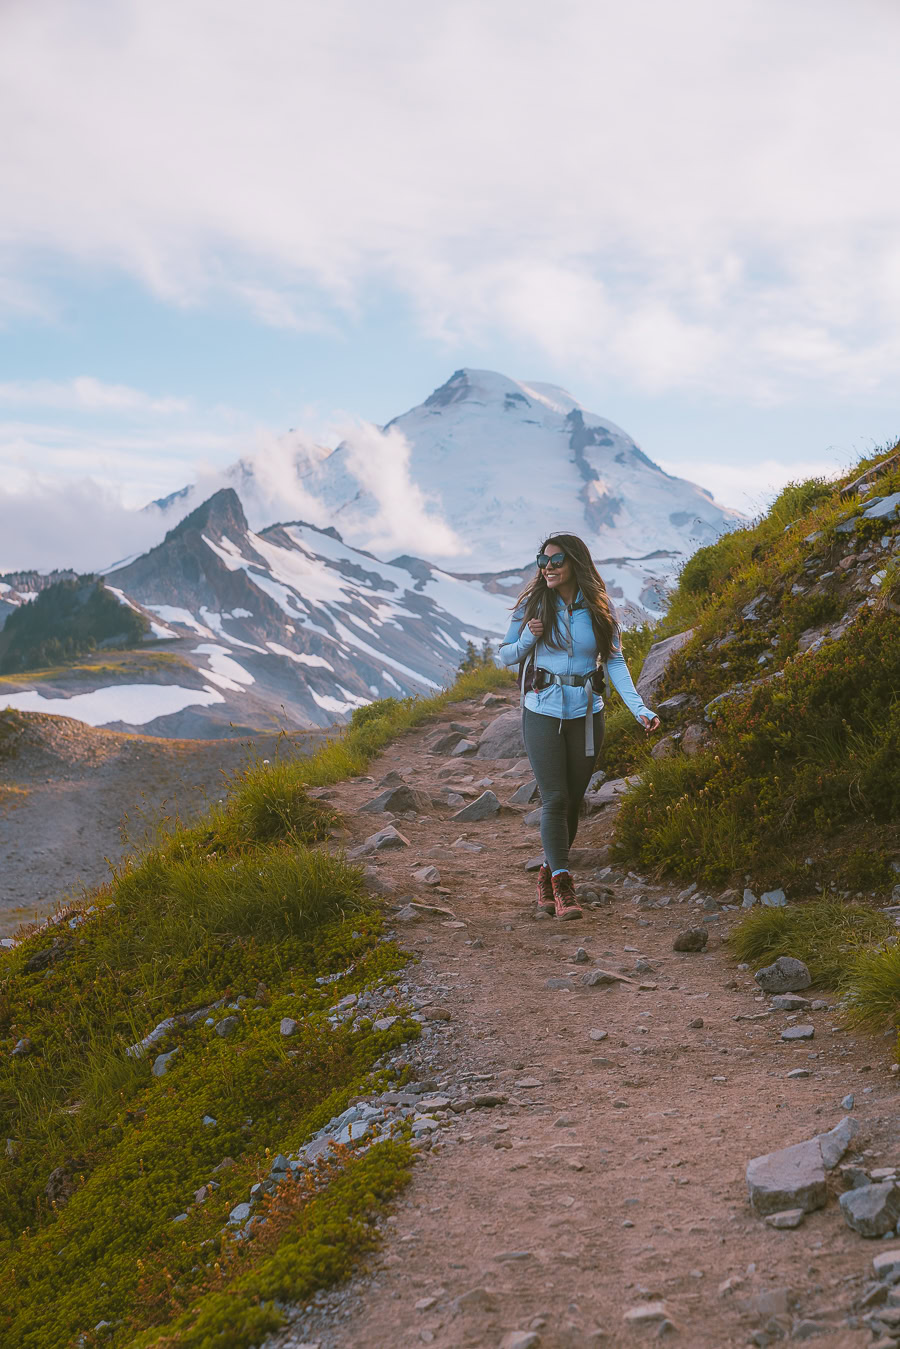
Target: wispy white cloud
{"type": "Point", "coordinates": [686, 196]}
{"type": "Point", "coordinates": [399, 516]}
{"type": "Point", "coordinates": [84, 393]}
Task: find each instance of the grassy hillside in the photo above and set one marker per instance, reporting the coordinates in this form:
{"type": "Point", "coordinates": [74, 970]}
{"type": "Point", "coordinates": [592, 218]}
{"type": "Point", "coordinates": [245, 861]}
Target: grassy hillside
{"type": "Point", "coordinates": [780, 763]}
{"type": "Point", "coordinates": [116, 1185]}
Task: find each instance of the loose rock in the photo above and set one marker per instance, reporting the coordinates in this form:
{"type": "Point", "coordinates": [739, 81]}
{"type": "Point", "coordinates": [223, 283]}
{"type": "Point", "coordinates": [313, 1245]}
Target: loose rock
{"type": "Point", "coordinates": [872, 1211]}
{"type": "Point", "coordinates": [397, 799]}
{"type": "Point", "coordinates": [788, 1218]}
{"type": "Point", "coordinates": [792, 1177]}
{"type": "Point", "coordinates": [798, 1033]}
{"type": "Point", "coordinates": [383, 841]}
{"type": "Point", "coordinates": [482, 808]}
{"type": "Point", "coordinates": [784, 975]}
{"type": "Point", "coordinates": [692, 939]}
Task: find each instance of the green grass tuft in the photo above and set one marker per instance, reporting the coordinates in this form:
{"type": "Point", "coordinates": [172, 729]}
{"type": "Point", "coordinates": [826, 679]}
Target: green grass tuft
{"type": "Point", "coordinates": [826, 935]}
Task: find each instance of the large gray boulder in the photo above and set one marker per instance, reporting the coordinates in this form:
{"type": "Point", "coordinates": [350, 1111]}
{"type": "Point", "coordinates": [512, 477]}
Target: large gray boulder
{"type": "Point", "coordinates": [503, 738]}
{"type": "Point", "coordinates": [657, 662]}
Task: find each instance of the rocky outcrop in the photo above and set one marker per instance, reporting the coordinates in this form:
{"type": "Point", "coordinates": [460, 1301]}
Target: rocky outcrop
{"type": "Point", "coordinates": [657, 662]}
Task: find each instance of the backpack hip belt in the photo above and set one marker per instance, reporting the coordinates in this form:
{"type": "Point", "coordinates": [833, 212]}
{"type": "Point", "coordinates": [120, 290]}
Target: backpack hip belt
{"type": "Point", "coordinates": [544, 678]}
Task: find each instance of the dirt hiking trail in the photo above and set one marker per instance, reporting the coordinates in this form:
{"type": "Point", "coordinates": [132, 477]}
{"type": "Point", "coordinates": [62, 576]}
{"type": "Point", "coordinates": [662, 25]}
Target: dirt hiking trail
{"type": "Point", "coordinates": [603, 1202]}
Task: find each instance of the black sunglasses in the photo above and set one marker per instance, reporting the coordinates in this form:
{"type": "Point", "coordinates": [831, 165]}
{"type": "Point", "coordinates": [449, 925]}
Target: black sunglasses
{"type": "Point", "coordinates": [550, 560]}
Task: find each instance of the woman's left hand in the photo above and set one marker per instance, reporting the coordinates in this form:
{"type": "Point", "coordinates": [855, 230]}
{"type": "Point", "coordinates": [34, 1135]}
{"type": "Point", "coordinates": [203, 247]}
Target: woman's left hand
{"type": "Point", "coordinates": [649, 723]}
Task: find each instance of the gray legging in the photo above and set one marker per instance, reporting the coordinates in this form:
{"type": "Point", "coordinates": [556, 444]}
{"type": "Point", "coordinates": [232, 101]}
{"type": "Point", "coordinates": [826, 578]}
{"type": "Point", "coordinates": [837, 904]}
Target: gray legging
{"type": "Point", "coordinates": [563, 771]}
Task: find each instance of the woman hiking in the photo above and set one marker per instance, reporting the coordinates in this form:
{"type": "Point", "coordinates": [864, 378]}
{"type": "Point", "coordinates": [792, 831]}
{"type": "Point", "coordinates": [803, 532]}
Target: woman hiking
{"type": "Point", "coordinates": [563, 632]}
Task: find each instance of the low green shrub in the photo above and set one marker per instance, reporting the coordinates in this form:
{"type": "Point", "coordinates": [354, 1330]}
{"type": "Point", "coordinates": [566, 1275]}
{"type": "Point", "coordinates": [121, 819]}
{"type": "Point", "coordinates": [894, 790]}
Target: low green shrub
{"type": "Point", "coordinates": [810, 752]}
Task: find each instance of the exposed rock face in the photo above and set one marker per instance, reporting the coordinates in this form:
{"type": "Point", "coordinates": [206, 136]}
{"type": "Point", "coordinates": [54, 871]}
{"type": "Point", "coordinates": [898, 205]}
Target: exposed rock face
{"type": "Point", "coordinates": [657, 661]}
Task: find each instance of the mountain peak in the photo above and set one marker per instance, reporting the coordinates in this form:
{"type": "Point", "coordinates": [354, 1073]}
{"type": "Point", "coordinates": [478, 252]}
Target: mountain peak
{"type": "Point", "coordinates": [489, 386]}
{"type": "Point", "coordinates": [220, 512]}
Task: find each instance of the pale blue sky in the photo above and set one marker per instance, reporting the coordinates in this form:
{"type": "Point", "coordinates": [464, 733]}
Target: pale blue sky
{"type": "Point", "coordinates": [220, 223]}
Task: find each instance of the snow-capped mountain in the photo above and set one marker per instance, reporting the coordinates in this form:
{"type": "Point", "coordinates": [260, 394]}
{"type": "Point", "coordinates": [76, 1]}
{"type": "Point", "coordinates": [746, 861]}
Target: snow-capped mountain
{"type": "Point", "coordinates": [505, 463]}
{"type": "Point", "coordinates": [500, 464]}
{"type": "Point", "coordinates": [289, 627]}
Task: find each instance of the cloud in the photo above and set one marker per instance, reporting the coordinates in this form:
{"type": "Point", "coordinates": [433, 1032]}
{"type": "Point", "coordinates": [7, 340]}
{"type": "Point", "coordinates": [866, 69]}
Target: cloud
{"type": "Point", "coordinates": [86, 394]}
{"type": "Point", "coordinates": [396, 515]}
{"type": "Point", "coordinates": [77, 524]}
{"type": "Point", "coordinates": [686, 196]}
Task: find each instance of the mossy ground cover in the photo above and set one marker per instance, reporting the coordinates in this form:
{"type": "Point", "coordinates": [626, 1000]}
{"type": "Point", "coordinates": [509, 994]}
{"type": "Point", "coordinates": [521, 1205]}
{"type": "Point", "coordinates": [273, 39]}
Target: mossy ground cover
{"type": "Point", "coordinates": [244, 907]}
{"type": "Point", "coordinates": [803, 760]}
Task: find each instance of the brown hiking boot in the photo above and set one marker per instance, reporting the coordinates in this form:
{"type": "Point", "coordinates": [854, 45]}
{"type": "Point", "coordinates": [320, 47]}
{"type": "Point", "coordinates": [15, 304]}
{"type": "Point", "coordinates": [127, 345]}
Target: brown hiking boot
{"type": "Point", "coordinates": [564, 901]}
{"type": "Point", "coordinates": [545, 898]}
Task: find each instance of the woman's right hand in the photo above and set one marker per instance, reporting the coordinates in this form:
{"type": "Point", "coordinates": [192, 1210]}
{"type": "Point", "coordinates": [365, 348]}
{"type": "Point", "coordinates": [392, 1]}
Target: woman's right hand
{"type": "Point", "coordinates": [536, 627]}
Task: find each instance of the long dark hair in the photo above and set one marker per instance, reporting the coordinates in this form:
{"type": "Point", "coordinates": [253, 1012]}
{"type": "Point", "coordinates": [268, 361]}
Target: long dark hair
{"type": "Point", "coordinates": [540, 602]}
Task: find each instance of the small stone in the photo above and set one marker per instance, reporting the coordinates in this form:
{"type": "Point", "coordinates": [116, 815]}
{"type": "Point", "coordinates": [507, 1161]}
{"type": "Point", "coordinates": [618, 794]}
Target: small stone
{"type": "Point", "coordinates": [526, 1083]}
{"type": "Point", "coordinates": [787, 1218]}
{"type": "Point", "coordinates": [792, 1177]}
{"type": "Point", "coordinates": [521, 1339]}
{"type": "Point", "coordinates": [848, 1102]}
{"type": "Point", "coordinates": [564, 1122]}
{"type": "Point", "coordinates": [555, 982]}
{"type": "Point", "coordinates": [836, 1141]}
{"type": "Point", "coordinates": [696, 1024]}
{"type": "Point", "coordinates": [580, 957]}
{"type": "Point", "coordinates": [425, 1304]}
{"type": "Point", "coordinates": [790, 1002]}
{"type": "Point", "coordinates": [774, 899]}
{"type": "Point", "coordinates": [798, 1033]}
{"type": "Point", "coordinates": [887, 1266]}
{"type": "Point", "coordinates": [384, 1022]}
{"type": "Point", "coordinates": [784, 975]}
{"type": "Point", "coordinates": [397, 799]}
{"type": "Point", "coordinates": [599, 1034]}
{"type": "Point", "coordinates": [797, 1073]}
{"type": "Point", "coordinates": [872, 1211]}
{"type": "Point", "coordinates": [482, 808]}
{"type": "Point", "coordinates": [179, 1218]}
{"type": "Point", "coordinates": [597, 978]}
{"type": "Point", "coordinates": [476, 1300]}
{"type": "Point", "coordinates": [288, 1026]}
{"type": "Point", "coordinates": [384, 841]}
{"type": "Point", "coordinates": [227, 1025]}
{"type": "Point", "coordinates": [692, 939]}
{"type": "Point", "coordinates": [161, 1062]}
{"type": "Point", "coordinates": [239, 1214]}
{"type": "Point", "coordinates": [524, 795]}
{"type": "Point", "coordinates": [427, 876]}
{"type": "Point", "coordinates": [463, 845]}
{"type": "Point", "coordinates": [23, 1047]}
{"type": "Point", "coordinates": [645, 1313]}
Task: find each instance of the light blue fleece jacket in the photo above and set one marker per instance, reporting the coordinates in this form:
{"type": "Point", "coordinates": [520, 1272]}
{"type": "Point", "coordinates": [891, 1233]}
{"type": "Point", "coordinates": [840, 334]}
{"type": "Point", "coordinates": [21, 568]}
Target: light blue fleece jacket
{"type": "Point", "coordinates": [559, 700]}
